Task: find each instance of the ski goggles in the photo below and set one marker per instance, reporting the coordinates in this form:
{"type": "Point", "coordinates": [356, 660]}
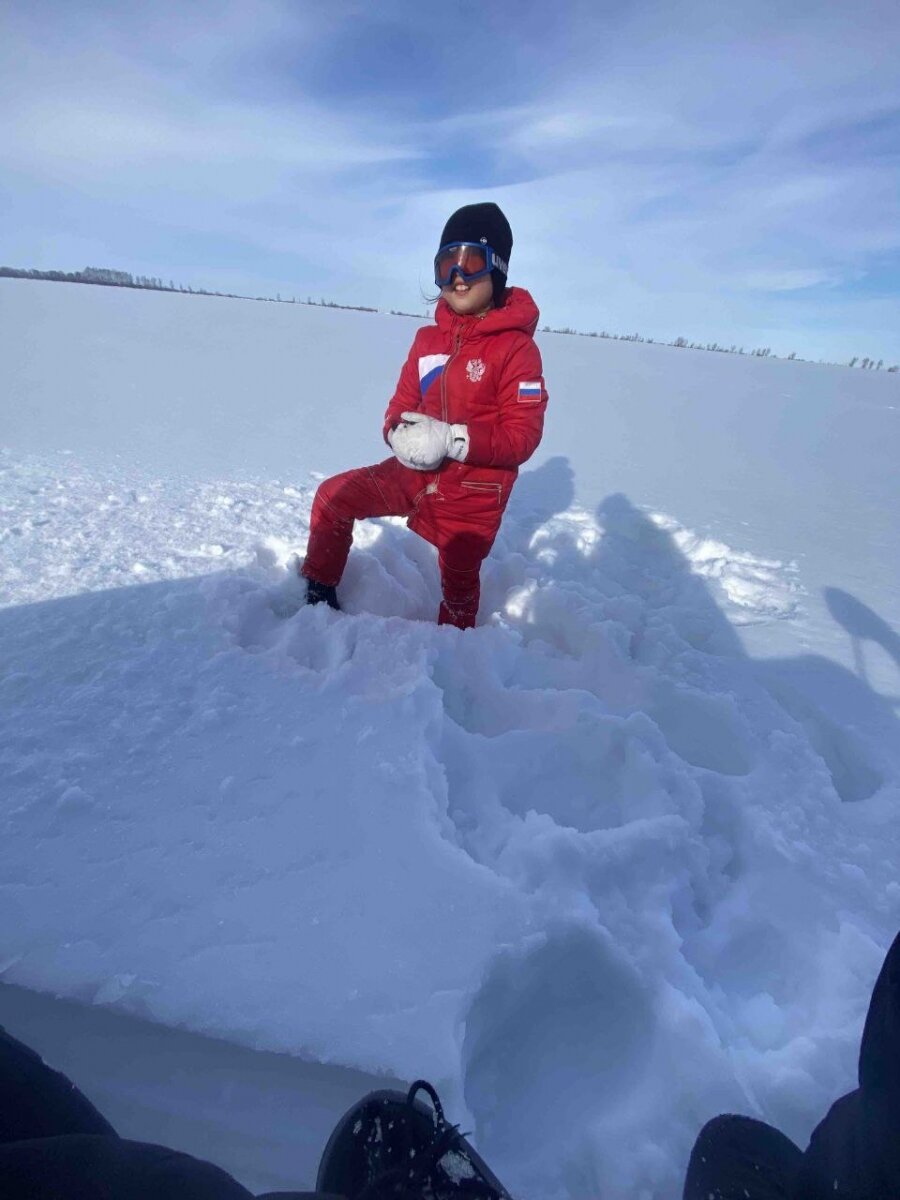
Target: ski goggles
{"type": "Point", "coordinates": [469, 260]}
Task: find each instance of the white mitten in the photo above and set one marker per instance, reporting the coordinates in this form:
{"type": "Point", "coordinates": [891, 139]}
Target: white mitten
{"type": "Point", "coordinates": [407, 445]}
{"type": "Point", "coordinates": [436, 440]}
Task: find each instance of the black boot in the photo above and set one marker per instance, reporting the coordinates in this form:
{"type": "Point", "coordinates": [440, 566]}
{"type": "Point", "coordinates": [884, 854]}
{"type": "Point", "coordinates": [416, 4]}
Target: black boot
{"type": "Point", "coordinates": [391, 1146]}
{"type": "Point", "coordinates": [321, 593]}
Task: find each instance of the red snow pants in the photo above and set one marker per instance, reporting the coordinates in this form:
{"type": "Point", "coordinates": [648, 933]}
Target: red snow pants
{"type": "Point", "coordinates": [461, 519]}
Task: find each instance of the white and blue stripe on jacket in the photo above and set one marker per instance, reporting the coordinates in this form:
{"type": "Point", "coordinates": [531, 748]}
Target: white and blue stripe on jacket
{"type": "Point", "coordinates": [430, 368]}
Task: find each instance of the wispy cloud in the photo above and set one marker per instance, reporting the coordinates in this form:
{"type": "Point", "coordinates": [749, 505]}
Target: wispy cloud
{"type": "Point", "coordinates": [723, 172]}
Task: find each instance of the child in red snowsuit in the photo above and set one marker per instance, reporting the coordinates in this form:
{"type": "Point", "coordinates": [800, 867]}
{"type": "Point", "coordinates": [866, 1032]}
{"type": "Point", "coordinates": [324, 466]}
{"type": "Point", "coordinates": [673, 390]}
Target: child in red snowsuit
{"type": "Point", "coordinates": [467, 412]}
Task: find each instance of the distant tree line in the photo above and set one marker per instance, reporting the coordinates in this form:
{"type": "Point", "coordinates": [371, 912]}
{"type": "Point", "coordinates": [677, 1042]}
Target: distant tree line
{"type": "Point", "coordinates": [684, 344]}
{"type": "Point", "coordinates": [108, 277]}
{"type": "Point", "coordinates": [102, 275]}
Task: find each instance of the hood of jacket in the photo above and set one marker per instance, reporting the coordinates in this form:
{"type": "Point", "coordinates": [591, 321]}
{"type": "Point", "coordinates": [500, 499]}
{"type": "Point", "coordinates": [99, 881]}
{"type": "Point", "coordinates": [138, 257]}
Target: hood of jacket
{"type": "Point", "coordinates": [519, 311]}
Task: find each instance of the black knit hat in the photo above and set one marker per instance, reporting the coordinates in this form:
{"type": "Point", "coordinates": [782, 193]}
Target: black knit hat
{"type": "Point", "coordinates": [482, 222]}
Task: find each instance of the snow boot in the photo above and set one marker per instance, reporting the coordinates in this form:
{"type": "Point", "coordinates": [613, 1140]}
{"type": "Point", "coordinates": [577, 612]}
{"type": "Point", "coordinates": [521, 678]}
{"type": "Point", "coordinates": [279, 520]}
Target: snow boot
{"type": "Point", "coordinates": [316, 593]}
{"type": "Point", "coordinates": [321, 593]}
{"type": "Point", "coordinates": [391, 1146]}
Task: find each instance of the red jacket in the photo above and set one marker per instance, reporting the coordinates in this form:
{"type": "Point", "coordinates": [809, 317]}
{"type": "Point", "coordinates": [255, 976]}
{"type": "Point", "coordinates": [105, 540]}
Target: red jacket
{"type": "Point", "coordinates": [483, 372]}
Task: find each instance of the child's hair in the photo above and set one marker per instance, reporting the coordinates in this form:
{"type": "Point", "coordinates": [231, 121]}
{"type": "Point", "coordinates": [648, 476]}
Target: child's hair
{"type": "Point", "coordinates": [498, 279]}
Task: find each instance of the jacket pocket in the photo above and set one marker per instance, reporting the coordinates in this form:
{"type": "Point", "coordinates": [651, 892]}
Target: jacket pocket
{"type": "Point", "coordinates": [490, 491]}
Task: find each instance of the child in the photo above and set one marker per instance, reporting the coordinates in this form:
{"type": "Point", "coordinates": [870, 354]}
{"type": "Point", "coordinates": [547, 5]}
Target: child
{"type": "Point", "coordinates": [467, 412]}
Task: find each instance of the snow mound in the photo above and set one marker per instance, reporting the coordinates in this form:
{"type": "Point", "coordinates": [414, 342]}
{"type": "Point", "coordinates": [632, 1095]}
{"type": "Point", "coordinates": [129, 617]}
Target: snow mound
{"type": "Point", "coordinates": [590, 867]}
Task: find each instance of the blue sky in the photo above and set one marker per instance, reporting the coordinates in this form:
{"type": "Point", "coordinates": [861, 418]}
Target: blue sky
{"type": "Point", "coordinates": [725, 172]}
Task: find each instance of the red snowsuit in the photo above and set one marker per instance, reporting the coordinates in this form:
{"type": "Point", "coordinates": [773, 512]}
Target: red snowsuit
{"type": "Point", "coordinates": [483, 372]}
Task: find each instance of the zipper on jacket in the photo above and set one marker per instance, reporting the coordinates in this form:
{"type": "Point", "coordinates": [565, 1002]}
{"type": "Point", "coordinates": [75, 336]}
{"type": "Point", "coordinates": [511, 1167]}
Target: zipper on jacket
{"type": "Point", "coordinates": [478, 487]}
{"type": "Point", "coordinates": [457, 342]}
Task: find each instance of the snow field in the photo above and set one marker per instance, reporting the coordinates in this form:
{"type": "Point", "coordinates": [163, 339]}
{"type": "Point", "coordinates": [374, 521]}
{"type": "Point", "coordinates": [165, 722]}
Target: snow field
{"type": "Point", "coordinates": [594, 867]}
{"type": "Point", "coordinates": [579, 865]}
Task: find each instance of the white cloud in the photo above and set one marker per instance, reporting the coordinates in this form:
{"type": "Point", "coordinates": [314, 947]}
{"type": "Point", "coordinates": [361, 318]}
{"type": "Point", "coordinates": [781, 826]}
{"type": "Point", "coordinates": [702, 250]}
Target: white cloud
{"type": "Point", "coordinates": [684, 161]}
{"type": "Point", "coordinates": [109, 101]}
{"type": "Point", "coordinates": [787, 280]}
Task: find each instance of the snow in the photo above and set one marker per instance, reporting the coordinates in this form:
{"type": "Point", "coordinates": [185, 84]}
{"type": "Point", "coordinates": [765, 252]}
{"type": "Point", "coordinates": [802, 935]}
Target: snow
{"type": "Point", "coordinates": [619, 859]}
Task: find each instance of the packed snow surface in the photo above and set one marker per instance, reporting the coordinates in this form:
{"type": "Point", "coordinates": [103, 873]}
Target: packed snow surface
{"type": "Point", "coordinates": [622, 857]}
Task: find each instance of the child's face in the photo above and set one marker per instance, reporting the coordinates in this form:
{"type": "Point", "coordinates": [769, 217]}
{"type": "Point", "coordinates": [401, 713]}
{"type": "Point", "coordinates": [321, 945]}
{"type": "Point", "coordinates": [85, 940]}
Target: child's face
{"type": "Point", "coordinates": [469, 299]}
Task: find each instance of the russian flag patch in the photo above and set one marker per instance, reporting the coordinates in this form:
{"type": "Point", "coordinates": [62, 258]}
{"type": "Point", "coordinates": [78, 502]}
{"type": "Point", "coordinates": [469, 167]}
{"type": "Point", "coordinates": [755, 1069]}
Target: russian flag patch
{"type": "Point", "coordinates": [431, 367]}
{"type": "Point", "coordinates": [530, 391]}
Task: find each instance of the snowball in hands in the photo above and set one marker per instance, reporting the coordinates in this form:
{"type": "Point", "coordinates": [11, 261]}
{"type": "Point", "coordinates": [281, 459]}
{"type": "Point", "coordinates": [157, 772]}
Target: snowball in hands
{"type": "Point", "coordinates": [423, 442]}
{"type": "Point", "coordinates": [414, 448]}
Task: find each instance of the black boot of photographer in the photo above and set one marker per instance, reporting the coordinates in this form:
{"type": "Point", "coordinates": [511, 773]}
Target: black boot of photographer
{"type": "Point", "coordinates": [391, 1146]}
